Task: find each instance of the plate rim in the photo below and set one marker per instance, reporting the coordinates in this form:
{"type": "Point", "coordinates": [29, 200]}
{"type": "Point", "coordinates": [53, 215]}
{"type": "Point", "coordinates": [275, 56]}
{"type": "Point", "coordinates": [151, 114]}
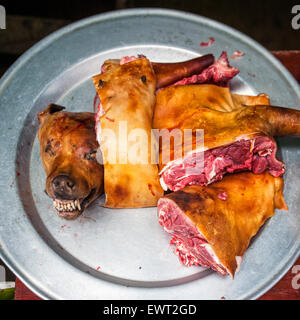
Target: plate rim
{"type": "Point", "coordinates": [127, 13]}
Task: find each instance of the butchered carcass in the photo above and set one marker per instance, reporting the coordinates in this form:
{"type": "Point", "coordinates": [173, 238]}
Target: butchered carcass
{"type": "Point", "coordinates": [238, 134]}
{"type": "Point", "coordinates": [212, 226]}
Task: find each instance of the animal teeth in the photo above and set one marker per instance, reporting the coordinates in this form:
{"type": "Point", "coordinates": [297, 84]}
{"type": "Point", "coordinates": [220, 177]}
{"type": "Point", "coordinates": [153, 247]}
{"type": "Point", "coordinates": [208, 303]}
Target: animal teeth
{"type": "Point", "coordinates": [77, 204]}
{"type": "Point", "coordinates": [66, 205]}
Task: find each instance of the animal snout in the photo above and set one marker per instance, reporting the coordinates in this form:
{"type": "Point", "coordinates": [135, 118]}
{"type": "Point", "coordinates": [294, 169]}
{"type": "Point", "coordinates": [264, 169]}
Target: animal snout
{"type": "Point", "coordinates": [63, 187]}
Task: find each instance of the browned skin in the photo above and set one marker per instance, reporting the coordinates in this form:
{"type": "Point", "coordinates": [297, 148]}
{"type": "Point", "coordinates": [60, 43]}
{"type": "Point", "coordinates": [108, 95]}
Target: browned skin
{"type": "Point", "coordinates": [127, 94]}
{"type": "Point", "coordinates": [229, 225]}
{"type": "Point", "coordinates": [68, 151]}
{"type": "Point", "coordinates": [168, 73]}
{"type": "Point", "coordinates": [225, 117]}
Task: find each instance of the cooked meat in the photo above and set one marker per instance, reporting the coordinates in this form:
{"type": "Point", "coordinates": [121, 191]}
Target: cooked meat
{"type": "Point", "coordinates": [126, 98]}
{"type": "Point", "coordinates": [126, 89]}
{"type": "Point", "coordinates": [238, 133]}
{"type": "Point", "coordinates": [220, 73]}
{"type": "Point", "coordinates": [68, 149]}
{"type": "Point", "coordinates": [212, 226]}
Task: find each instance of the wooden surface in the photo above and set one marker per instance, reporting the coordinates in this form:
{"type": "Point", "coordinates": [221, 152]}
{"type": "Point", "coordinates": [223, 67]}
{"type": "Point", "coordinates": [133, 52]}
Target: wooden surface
{"type": "Point", "coordinates": [283, 290]}
{"type": "Point", "coordinates": [291, 60]}
{"type": "Point", "coordinates": [23, 293]}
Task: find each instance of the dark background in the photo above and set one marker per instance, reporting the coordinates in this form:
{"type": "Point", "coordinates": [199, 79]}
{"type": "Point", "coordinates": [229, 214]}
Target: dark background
{"type": "Point", "coordinates": [267, 21]}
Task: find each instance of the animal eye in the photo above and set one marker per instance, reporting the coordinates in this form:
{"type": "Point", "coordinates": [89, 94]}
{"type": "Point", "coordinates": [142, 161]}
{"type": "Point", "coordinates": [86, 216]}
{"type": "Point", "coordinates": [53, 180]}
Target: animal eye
{"type": "Point", "coordinates": [49, 150]}
{"type": "Point", "coordinates": [90, 155]}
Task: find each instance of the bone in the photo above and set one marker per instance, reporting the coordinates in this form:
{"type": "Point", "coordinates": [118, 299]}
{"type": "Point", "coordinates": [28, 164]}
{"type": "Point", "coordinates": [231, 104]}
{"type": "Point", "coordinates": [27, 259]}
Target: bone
{"type": "Point", "coordinates": [168, 73]}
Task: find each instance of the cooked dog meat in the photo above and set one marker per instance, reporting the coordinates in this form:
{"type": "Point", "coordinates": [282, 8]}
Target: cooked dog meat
{"type": "Point", "coordinates": [238, 133]}
{"type": "Point", "coordinates": [220, 73]}
{"type": "Point", "coordinates": [125, 98]}
{"type": "Point", "coordinates": [126, 90]}
{"type": "Point", "coordinates": [170, 73]}
{"type": "Point", "coordinates": [212, 226]}
{"type": "Point", "coordinates": [68, 149]}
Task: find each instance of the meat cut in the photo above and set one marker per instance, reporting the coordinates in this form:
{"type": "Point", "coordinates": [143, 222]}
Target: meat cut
{"type": "Point", "coordinates": [256, 155]}
{"type": "Point", "coordinates": [238, 132]}
{"type": "Point", "coordinates": [212, 226]}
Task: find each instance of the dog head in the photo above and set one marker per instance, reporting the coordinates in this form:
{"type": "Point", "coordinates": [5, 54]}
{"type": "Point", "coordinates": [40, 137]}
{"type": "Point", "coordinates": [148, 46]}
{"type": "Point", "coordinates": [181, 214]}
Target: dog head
{"type": "Point", "coordinates": [68, 149]}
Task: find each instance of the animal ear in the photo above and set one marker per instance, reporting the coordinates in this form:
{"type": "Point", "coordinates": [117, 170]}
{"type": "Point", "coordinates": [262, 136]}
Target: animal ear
{"type": "Point", "coordinates": [52, 108]}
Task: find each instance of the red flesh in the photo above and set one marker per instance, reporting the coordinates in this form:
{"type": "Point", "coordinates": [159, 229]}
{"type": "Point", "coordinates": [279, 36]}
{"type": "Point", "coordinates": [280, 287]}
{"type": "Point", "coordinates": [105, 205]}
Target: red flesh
{"type": "Point", "coordinates": [219, 73]}
{"type": "Point", "coordinates": [191, 245]}
{"type": "Point", "coordinates": [236, 157]}
{"type": "Point", "coordinates": [208, 43]}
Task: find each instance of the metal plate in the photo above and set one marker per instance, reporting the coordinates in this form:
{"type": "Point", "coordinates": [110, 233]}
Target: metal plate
{"type": "Point", "coordinates": [125, 254]}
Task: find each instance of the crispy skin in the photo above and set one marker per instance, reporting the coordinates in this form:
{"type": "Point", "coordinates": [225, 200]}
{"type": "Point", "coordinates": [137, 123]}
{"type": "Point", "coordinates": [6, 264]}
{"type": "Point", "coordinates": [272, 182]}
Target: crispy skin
{"type": "Point", "coordinates": [127, 95]}
{"type": "Point", "coordinates": [229, 225]}
{"type": "Point", "coordinates": [225, 117]}
{"type": "Point", "coordinates": [66, 138]}
{"type": "Point", "coordinates": [168, 73]}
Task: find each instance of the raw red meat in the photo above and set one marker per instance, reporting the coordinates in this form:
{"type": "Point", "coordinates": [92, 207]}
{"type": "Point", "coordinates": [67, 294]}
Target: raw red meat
{"type": "Point", "coordinates": [191, 246]}
{"type": "Point", "coordinates": [219, 73]}
{"type": "Point", "coordinates": [257, 155]}
{"type": "Point", "coordinates": [208, 43]}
